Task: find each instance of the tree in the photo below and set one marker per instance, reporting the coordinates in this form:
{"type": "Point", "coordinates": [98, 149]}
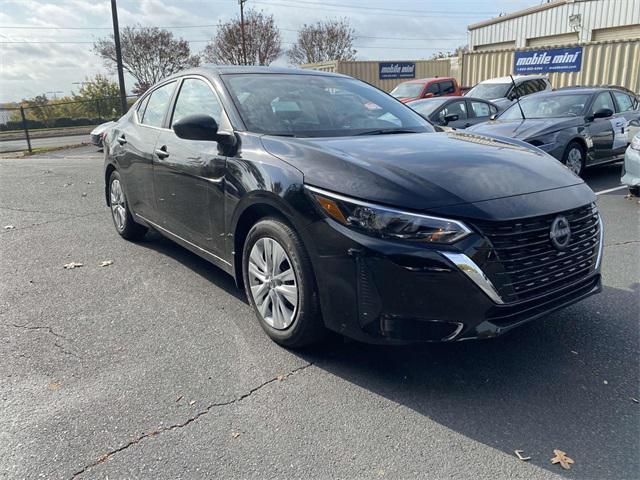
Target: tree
{"type": "Point", "coordinates": [455, 53]}
{"type": "Point", "coordinates": [99, 96]}
{"type": "Point", "coordinates": [323, 41]}
{"type": "Point", "coordinates": [262, 41]}
{"type": "Point", "coordinates": [149, 54]}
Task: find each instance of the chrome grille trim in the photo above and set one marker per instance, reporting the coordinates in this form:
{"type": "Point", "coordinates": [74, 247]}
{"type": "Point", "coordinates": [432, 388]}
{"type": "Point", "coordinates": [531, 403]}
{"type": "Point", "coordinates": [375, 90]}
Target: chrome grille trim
{"type": "Point", "coordinates": [474, 273]}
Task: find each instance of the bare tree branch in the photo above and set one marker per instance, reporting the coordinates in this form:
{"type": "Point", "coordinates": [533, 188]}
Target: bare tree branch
{"type": "Point", "coordinates": [262, 40]}
{"type": "Point", "coordinates": [149, 54]}
{"type": "Point", "coordinates": [323, 41]}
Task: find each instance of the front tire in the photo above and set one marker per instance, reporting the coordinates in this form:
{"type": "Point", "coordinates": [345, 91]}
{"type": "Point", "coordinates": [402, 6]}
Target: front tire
{"type": "Point", "coordinates": [574, 158]}
{"type": "Point", "coordinates": [635, 191]}
{"type": "Point", "coordinates": [280, 284]}
{"type": "Point", "coordinates": [120, 213]}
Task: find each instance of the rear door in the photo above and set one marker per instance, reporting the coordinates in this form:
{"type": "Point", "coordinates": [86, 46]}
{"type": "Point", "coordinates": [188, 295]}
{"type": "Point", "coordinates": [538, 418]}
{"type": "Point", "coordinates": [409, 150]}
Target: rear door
{"type": "Point", "coordinates": [189, 174]}
{"type": "Point", "coordinates": [602, 129]}
{"type": "Point", "coordinates": [135, 144]}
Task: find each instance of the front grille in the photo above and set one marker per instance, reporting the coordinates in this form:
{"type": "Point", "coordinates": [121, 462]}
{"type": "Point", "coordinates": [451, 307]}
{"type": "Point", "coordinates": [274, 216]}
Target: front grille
{"type": "Point", "coordinates": [522, 262]}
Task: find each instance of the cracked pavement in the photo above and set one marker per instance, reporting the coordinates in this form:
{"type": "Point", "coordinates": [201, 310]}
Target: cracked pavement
{"type": "Point", "coordinates": [154, 366]}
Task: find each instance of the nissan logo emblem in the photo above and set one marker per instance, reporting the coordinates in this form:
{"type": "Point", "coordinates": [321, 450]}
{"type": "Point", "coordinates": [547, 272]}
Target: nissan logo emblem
{"type": "Point", "coordinates": [560, 233]}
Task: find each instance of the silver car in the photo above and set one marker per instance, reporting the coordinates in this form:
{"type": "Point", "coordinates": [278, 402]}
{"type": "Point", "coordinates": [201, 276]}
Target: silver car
{"type": "Point", "coordinates": [631, 166]}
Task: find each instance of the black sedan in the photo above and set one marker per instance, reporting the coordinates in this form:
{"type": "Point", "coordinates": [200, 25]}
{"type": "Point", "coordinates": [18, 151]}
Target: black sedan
{"type": "Point", "coordinates": [581, 127]}
{"type": "Point", "coordinates": [454, 112]}
{"type": "Point", "coordinates": [337, 207]}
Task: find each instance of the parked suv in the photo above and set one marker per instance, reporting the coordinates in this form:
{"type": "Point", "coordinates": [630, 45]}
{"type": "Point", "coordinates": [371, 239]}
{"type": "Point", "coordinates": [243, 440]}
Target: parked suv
{"type": "Point", "coordinates": [426, 88]}
{"type": "Point", "coordinates": [336, 207]}
{"type": "Point", "coordinates": [500, 91]}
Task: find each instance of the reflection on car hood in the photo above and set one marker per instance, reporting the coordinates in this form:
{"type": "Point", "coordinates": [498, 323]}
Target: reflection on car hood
{"type": "Point", "coordinates": [422, 170]}
{"type": "Point", "coordinates": [526, 129]}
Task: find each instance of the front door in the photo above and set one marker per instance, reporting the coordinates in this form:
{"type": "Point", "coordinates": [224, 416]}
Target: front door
{"type": "Point", "coordinates": [189, 174]}
{"type": "Point", "coordinates": [601, 129]}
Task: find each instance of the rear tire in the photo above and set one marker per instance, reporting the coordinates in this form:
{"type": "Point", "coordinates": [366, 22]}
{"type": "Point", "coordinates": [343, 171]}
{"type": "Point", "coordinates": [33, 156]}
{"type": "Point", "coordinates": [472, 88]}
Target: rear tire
{"type": "Point", "coordinates": [635, 191]}
{"type": "Point", "coordinates": [280, 285]}
{"type": "Point", "coordinates": [574, 158]}
{"type": "Point", "coordinates": [120, 213]}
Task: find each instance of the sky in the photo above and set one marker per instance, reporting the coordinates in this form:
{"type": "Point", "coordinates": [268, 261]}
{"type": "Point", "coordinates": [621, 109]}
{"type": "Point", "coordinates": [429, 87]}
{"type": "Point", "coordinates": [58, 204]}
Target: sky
{"type": "Point", "coordinates": [56, 52]}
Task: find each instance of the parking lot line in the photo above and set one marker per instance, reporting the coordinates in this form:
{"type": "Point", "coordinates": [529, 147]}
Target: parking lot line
{"type": "Point", "coordinates": [608, 190]}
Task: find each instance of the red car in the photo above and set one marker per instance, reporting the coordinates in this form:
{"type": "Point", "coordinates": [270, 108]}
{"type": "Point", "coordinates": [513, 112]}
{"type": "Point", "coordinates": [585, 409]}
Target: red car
{"type": "Point", "coordinates": [426, 88]}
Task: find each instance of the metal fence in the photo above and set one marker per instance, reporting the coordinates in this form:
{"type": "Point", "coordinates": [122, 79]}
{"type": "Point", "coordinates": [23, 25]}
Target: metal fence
{"type": "Point", "coordinates": [54, 123]}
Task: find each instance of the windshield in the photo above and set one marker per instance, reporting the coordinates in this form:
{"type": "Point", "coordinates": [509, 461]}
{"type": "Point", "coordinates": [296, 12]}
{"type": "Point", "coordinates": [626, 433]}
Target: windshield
{"type": "Point", "coordinates": [547, 106]}
{"type": "Point", "coordinates": [318, 106]}
{"type": "Point", "coordinates": [427, 107]}
{"type": "Point", "coordinates": [409, 90]}
{"type": "Point", "coordinates": [489, 91]}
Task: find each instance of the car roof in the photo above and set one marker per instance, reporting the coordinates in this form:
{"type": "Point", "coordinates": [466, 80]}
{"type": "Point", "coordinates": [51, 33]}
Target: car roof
{"type": "Point", "coordinates": [428, 79]}
{"type": "Point", "coordinates": [211, 68]}
{"type": "Point", "coordinates": [516, 78]}
{"type": "Point", "coordinates": [587, 89]}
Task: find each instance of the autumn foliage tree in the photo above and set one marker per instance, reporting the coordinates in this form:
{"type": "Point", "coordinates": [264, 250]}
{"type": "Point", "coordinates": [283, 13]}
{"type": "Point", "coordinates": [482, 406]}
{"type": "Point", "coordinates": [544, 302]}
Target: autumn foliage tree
{"type": "Point", "coordinates": [149, 54]}
{"type": "Point", "coordinates": [323, 41]}
{"type": "Point", "coordinates": [262, 41]}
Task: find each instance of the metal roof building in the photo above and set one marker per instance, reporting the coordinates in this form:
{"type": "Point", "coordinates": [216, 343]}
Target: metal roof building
{"type": "Point", "coordinates": [558, 22]}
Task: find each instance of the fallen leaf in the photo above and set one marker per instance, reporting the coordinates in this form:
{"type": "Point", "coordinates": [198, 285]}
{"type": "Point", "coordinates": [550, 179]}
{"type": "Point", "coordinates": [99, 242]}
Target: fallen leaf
{"type": "Point", "coordinates": [90, 183]}
{"type": "Point", "coordinates": [67, 184]}
{"type": "Point", "coordinates": [574, 352]}
{"type": "Point", "coordinates": [106, 263]}
{"type": "Point", "coordinates": [192, 402]}
{"type": "Point", "coordinates": [84, 194]}
{"type": "Point", "coordinates": [54, 386]}
{"type": "Point", "coordinates": [280, 378]}
{"type": "Point", "coordinates": [179, 398]}
{"type": "Point", "coordinates": [561, 458]}
{"type": "Point", "coordinates": [72, 265]}
{"type": "Point", "coordinates": [9, 227]}
{"type": "Point", "coordinates": [235, 434]}
{"type": "Point", "coordinates": [635, 400]}
{"type": "Point", "coordinates": [605, 382]}
{"type": "Point", "coordinates": [519, 455]}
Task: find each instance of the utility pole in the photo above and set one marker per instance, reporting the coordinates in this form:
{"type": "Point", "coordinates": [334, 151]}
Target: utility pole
{"type": "Point", "coordinates": [244, 44]}
{"type": "Point", "coordinates": [116, 40]}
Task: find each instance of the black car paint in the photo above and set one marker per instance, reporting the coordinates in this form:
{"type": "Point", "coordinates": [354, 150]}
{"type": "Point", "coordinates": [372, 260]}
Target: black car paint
{"type": "Point", "coordinates": [205, 197]}
{"type": "Point", "coordinates": [596, 135]}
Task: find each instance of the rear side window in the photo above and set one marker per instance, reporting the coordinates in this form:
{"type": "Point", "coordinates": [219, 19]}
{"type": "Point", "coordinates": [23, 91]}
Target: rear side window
{"type": "Point", "coordinates": [603, 100]}
{"type": "Point", "coordinates": [434, 88]}
{"type": "Point", "coordinates": [446, 88]}
{"type": "Point", "coordinates": [196, 97]}
{"type": "Point", "coordinates": [624, 101]}
{"type": "Point", "coordinates": [157, 105]}
{"type": "Point", "coordinates": [481, 109]}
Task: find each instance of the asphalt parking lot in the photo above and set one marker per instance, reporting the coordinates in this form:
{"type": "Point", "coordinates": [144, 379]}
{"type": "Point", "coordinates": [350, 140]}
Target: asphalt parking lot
{"type": "Point", "coordinates": [155, 367]}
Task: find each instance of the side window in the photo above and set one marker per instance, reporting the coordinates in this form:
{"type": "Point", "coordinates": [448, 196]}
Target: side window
{"type": "Point", "coordinates": [196, 97]}
{"type": "Point", "coordinates": [454, 108]}
{"type": "Point", "coordinates": [623, 100]}
{"type": "Point", "coordinates": [434, 89]}
{"type": "Point", "coordinates": [446, 87]}
{"type": "Point", "coordinates": [540, 85]}
{"type": "Point", "coordinates": [493, 109]}
{"type": "Point", "coordinates": [603, 100]}
{"type": "Point", "coordinates": [157, 105]}
{"type": "Point", "coordinates": [142, 106]}
{"type": "Point", "coordinates": [481, 109]}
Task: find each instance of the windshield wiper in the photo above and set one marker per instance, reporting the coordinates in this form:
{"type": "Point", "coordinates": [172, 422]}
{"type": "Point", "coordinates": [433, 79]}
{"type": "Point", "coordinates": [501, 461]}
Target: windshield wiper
{"type": "Point", "coordinates": [386, 131]}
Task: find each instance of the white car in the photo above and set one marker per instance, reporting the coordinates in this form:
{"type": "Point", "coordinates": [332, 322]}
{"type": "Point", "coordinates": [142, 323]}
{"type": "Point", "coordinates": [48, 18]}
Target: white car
{"type": "Point", "coordinates": [500, 91]}
{"type": "Point", "coordinates": [631, 167]}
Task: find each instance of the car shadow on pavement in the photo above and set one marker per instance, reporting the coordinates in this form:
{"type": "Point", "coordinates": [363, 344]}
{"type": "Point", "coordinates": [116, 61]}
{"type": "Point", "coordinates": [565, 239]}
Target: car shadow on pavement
{"type": "Point", "coordinates": [567, 382]}
{"type": "Point", "coordinates": [215, 275]}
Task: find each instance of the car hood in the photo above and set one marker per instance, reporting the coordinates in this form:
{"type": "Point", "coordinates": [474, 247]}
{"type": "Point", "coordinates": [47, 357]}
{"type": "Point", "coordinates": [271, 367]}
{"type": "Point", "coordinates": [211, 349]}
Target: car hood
{"type": "Point", "coordinates": [525, 129]}
{"type": "Point", "coordinates": [421, 171]}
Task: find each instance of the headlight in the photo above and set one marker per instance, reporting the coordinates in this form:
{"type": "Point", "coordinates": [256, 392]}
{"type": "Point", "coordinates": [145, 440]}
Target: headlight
{"type": "Point", "coordinates": [635, 143]}
{"type": "Point", "coordinates": [384, 222]}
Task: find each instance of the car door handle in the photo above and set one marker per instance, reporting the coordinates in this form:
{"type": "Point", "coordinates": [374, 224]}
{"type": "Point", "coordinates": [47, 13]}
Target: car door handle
{"type": "Point", "coordinates": [121, 139]}
{"type": "Point", "coordinates": [161, 153]}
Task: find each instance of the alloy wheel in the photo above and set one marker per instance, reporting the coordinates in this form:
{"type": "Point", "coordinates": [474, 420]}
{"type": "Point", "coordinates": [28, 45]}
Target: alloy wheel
{"type": "Point", "coordinates": [118, 207]}
{"type": "Point", "coordinates": [574, 160]}
{"type": "Point", "coordinates": [273, 283]}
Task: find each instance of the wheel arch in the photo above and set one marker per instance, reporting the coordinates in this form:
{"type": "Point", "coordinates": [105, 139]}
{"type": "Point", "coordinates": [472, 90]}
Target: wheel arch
{"type": "Point", "coordinates": [109, 169]}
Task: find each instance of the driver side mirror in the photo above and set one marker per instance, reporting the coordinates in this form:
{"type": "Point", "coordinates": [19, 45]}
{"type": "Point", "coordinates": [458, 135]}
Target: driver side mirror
{"type": "Point", "coordinates": [602, 113]}
{"type": "Point", "coordinates": [202, 127]}
{"type": "Point", "coordinates": [493, 117]}
{"type": "Point", "coordinates": [428, 95]}
{"type": "Point", "coordinates": [452, 117]}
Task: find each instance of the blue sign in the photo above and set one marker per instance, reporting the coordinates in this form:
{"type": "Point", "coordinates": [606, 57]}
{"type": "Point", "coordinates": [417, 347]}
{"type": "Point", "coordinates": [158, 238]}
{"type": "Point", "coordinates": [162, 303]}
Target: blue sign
{"type": "Point", "coordinates": [394, 70]}
{"type": "Point", "coordinates": [548, 60]}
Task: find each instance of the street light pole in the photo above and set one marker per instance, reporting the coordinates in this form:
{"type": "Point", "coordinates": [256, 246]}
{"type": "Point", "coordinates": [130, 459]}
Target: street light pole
{"type": "Point", "coordinates": [244, 45]}
{"type": "Point", "coordinates": [116, 40]}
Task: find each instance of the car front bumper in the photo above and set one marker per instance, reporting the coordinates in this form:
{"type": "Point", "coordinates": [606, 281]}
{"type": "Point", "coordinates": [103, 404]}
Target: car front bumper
{"type": "Point", "coordinates": [380, 291]}
{"type": "Point", "coordinates": [631, 168]}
